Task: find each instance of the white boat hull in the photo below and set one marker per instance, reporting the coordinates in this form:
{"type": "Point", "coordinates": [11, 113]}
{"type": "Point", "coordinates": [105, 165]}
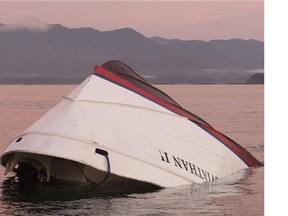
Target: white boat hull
{"type": "Point", "coordinates": [145, 141]}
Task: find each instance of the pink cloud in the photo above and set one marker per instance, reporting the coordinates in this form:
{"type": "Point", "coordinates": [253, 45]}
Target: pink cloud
{"type": "Point", "coordinates": [171, 19]}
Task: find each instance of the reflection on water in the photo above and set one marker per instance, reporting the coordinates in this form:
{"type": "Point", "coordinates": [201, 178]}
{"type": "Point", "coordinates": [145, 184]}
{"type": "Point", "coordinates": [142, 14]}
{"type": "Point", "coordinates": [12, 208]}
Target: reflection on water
{"type": "Point", "coordinates": [38, 199]}
{"type": "Point", "coordinates": [196, 199]}
{"type": "Point", "coordinates": [26, 104]}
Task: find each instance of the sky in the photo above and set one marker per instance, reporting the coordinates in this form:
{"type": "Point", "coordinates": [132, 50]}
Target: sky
{"type": "Point", "coordinates": [188, 20]}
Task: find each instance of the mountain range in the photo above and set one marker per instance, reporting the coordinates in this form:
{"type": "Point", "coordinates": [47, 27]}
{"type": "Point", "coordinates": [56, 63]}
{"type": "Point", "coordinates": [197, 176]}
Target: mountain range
{"type": "Point", "coordinates": [58, 54]}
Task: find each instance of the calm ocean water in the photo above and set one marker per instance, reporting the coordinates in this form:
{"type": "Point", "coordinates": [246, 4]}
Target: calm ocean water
{"type": "Point", "coordinates": [235, 110]}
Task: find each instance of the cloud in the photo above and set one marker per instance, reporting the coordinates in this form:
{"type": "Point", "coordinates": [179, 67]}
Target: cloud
{"type": "Point", "coordinates": [30, 24]}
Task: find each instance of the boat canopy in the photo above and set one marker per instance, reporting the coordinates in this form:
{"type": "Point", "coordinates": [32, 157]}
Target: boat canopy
{"type": "Point", "coordinates": [126, 73]}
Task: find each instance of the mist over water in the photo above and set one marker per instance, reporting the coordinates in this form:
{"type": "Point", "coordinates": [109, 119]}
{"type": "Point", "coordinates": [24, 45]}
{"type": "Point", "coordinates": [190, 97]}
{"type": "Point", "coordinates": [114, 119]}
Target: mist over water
{"type": "Point", "coordinates": [235, 110]}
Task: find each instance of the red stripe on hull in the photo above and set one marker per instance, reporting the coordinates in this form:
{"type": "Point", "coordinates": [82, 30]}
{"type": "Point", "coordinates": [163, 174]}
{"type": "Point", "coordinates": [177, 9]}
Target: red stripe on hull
{"type": "Point", "coordinates": [242, 153]}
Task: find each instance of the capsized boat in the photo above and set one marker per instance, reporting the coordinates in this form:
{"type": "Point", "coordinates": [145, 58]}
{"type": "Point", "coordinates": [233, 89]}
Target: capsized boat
{"type": "Point", "coordinates": [117, 130]}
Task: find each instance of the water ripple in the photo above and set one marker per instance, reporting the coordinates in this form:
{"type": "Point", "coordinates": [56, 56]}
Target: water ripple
{"type": "Point", "coordinates": [27, 104]}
